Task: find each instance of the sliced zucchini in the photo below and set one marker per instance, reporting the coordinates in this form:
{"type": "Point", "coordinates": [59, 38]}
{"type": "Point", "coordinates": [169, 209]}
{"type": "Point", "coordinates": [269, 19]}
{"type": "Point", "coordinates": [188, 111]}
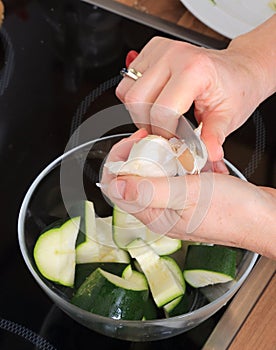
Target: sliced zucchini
{"type": "Point", "coordinates": [98, 245]}
{"type": "Point", "coordinates": [174, 267]}
{"type": "Point", "coordinates": [164, 284]}
{"type": "Point", "coordinates": [84, 270]}
{"type": "Point", "coordinates": [150, 311]}
{"type": "Point", "coordinates": [181, 305]}
{"type": "Point", "coordinates": [206, 265]}
{"type": "Point", "coordinates": [134, 276]}
{"type": "Point", "coordinates": [85, 209]}
{"type": "Point", "coordinates": [126, 228]}
{"type": "Point", "coordinates": [54, 252]}
{"type": "Point", "coordinates": [112, 296]}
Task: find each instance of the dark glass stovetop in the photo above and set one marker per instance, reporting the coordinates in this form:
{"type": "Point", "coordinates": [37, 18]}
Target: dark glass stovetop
{"type": "Point", "coordinates": [59, 63]}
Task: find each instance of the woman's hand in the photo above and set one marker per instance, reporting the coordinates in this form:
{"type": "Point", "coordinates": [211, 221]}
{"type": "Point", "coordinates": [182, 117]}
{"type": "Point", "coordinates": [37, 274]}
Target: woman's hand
{"type": "Point", "coordinates": [209, 207]}
{"type": "Point", "coordinates": [225, 86]}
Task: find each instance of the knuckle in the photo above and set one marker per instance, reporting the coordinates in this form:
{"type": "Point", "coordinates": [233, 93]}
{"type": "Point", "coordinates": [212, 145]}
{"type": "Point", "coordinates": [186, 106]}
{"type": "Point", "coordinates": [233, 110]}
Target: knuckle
{"type": "Point", "coordinates": [131, 97]}
{"type": "Point", "coordinates": [160, 113]}
{"type": "Point", "coordinates": [120, 92]}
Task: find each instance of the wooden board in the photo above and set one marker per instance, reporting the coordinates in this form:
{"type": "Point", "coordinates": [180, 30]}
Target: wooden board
{"type": "Point", "coordinates": [173, 11]}
{"type": "Point", "coordinates": [259, 330]}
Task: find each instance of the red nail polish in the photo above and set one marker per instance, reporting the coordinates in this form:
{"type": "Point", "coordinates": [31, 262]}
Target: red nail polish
{"type": "Point", "coordinates": [130, 57]}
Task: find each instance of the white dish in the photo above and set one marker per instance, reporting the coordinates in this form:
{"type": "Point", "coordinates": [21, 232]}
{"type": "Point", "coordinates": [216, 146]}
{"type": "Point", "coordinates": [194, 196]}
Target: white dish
{"type": "Point", "coordinates": [230, 17]}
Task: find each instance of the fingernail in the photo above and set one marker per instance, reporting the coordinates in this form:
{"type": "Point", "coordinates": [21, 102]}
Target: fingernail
{"type": "Point", "coordinates": [130, 57]}
{"type": "Point", "coordinates": [117, 189]}
{"type": "Point", "coordinates": [100, 185]}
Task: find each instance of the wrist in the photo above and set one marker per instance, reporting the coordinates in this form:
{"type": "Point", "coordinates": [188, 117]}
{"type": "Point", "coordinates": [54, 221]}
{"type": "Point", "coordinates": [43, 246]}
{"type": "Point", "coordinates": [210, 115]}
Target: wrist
{"type": "Point", "coordinates": [257, 50]}
{"type": "Point", "coordinates": [259, 228]}
{"type": "Point", "coordinates": [265, 230]}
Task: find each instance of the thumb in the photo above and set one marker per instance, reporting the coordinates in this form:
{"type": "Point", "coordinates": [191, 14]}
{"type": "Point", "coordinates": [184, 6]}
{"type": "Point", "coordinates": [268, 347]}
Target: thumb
{"type": "Point", "coordinates": [161, 202]}
{"type": "Point", "coordinates": [135, 193]}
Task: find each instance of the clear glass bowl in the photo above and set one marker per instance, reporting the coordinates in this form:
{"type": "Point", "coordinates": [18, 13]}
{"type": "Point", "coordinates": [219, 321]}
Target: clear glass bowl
{"type": "Point", "coordinates": [72, 177]}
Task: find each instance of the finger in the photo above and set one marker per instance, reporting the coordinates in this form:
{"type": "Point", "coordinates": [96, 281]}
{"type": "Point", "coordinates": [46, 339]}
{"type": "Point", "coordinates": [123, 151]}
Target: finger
{"type": "Point", "coordinates": [147, 58]}
{"type": "Point", "coordinates": [153, 200]}
{"type": "Point", "coordinates": [120, 152]}
{"type": "Point", "coordinates": [138, 193]}
{"type": "Point", "coordinates": [213, 135]}
{"type": "Point", "coordinates": [140, 112]}
{"type": "Point", "coordinates": [141, 96]}
{"type": "Point", "coordinates": [177, 96]}
{"type": "Point", "coordinates": [149, 62]}
{"type": "Point", "coordinates": [138, 108]}
{"type": "Point", "coordinates": [220, 167]}
{"type": "Point", "coordinates": [139, 64]}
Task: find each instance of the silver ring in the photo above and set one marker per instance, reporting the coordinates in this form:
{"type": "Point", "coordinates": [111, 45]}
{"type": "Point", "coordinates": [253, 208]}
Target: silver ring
{"type": "Point", "coordinates": [131, 73]}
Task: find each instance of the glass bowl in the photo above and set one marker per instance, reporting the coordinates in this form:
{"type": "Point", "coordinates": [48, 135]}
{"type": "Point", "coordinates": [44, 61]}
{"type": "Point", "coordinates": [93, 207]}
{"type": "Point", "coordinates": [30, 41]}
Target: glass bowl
{"type": "Point", "coordinates": [73, 177]}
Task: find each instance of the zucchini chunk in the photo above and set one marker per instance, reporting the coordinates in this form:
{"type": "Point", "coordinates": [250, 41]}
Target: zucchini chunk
{"type": "Point", "coordinates": [97, 244]}
{"type": "Point", "coordinates": [207, 265]}
{"type": "Point", "coordinates": [54, 252]}
{"type": "Point", "coordinates": [163, 282]}
{"type": "Point", "coordinates": [112, 296]}
{"type": "Point", "coordinates": [179, 275]}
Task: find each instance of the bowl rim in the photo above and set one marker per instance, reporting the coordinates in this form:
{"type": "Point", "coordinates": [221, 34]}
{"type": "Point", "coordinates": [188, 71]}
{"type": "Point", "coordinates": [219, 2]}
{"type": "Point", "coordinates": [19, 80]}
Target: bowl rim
{"type": "Point", "coordinates": [63, 303]}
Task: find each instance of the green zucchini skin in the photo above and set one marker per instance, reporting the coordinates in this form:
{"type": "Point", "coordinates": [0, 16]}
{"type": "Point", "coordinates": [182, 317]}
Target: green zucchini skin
{"type": "Point", "coordinates": [211, 258]}
{"type": "Point", "coordinates": [182, 305]}
{"type": "Point", "coordinates": [55, 224]}
{"type": "Point", "coordinates": [207, 265]}
{"type": "Point", "coordinates": [99, 296]}
{"type": "Point", "coordinates": [151, 311]}
{"type": "Point", "coordinates": [84, 270]}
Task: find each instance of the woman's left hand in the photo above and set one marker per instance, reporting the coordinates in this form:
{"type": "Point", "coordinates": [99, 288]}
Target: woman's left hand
{"type": "Point", "coordinates": [209, 207]}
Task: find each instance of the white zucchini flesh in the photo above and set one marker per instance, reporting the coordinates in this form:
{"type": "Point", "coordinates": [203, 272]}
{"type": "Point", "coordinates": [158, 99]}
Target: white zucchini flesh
{"type": "Point", "coordinates": [202, 278]}
{"type": "Point", "coordinates": [134, 277]}
{"type": "Point", "coordinates": [127, 228]}
{"type": "Point", "coordinates": [54, 252]}
{"type": "Point", "coordinates": [173, 266]}
{"type": "Point", "coordinates": [98, 245]}
{"type": "Point", "coordinates": [134, 283]}
{"type": "Point", "coordinates": [163, 283]}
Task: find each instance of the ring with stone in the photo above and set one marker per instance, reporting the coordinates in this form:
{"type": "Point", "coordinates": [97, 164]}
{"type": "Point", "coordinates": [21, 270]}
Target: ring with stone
{"type": "Point", "coordinates": [131, 73]}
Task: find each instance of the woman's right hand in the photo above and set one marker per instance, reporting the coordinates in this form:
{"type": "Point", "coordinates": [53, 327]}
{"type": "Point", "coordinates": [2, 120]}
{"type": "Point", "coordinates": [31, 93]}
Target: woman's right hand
{"type": "Point", "coordinates": [225, 86]}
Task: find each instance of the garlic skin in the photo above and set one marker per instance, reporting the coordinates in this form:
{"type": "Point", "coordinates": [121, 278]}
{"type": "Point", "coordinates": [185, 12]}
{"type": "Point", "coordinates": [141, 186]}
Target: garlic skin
{"type": "Point", "coordinates": [189, 162]}
{"type": "Point", "coordinates": [155, 156]}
